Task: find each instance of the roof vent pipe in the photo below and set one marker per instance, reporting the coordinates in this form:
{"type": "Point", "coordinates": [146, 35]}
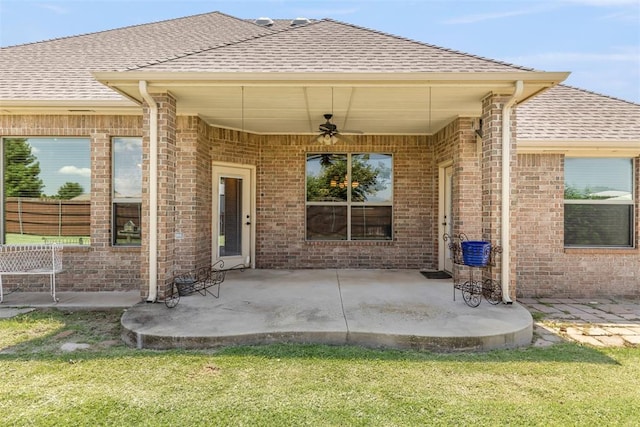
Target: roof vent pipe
{"type": "Point", "coordinates": [300, 21]}
{"type": "Point", "coordinates": [264, 21]}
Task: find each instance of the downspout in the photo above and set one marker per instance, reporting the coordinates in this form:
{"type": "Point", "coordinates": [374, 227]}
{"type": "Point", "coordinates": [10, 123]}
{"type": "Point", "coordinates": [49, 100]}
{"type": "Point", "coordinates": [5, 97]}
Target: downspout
{"type": "Point", "coordinates": [505, 231]}
{"type": "Point", "coordinates": [153, 192]}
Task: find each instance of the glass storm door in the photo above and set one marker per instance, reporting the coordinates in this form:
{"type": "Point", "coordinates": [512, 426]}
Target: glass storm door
{"type": "Point", "coordinates": [232, 219]}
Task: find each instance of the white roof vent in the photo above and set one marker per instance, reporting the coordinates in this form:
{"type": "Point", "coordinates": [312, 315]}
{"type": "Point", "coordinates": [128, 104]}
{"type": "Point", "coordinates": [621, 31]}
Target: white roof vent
{"type": "Point", "coordinates": [300, 21]}
{"type": "Point", "coordinates": [264, 22]}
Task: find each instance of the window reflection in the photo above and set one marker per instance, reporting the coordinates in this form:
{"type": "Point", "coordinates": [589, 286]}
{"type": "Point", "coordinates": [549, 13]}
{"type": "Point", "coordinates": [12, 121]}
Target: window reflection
{"type": "Point", "coordinates": [349, 196]}
{"type": "Point", "coordinates": [47, 187]}
{"type": "Point", "coordinates": [327, 179]}
{"type": "Point", "coordinates": [371, 178]}
{"type": "Point", "coordinates": [127, 190]}
{"type": "Point", "coordinates": [599, 202]}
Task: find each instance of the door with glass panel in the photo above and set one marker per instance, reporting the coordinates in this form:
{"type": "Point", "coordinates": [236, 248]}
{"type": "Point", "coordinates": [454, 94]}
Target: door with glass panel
{"type": "Point", "coordinates": [447, 217]}
{"type": "Point", "coordinates": [232, 219]}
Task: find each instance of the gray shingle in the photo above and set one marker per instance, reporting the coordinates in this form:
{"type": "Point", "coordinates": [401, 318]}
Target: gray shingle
{"type": "Point", "coordinates": [565, 113]}
{"type": "Point", "coordinates": [61, 68]}
{"type": "Point", "coordinates": [331, 46]}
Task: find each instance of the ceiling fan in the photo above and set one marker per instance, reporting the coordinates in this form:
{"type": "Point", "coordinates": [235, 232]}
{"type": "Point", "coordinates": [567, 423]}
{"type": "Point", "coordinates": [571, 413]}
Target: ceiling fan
{"type": "Point", "coordinates": [329, 133]}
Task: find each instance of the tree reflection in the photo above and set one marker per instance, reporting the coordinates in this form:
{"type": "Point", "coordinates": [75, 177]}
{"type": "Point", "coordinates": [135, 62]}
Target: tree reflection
{"type": "Point", "coordinates": [332, 182]}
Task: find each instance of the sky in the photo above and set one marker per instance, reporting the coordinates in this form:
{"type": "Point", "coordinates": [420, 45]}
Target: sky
{"type": "Point", "coordinates": [62, 160]}
{"type": "Point", "coordinates": [598, 41]}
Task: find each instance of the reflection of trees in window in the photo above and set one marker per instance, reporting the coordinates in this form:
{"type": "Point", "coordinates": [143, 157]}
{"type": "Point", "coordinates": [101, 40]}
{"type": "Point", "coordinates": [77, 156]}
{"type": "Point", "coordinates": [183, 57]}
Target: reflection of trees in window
{"type": "Point", "coordinates": [69, 190]}
{"type": "Point", "coordinates": [349, 196]}
{"type": "Point", "coordinates": [368, 176]}
{"type": "Point", "coordinates": [39, 205]}
{"type": "Point", "coordinates": [333, 183]}
{"type": "Point", "coordinates": [22, 170]}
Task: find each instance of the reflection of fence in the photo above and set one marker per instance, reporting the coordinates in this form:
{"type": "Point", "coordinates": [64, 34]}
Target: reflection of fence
{"type": "Point", "coordinates": [47, 217]}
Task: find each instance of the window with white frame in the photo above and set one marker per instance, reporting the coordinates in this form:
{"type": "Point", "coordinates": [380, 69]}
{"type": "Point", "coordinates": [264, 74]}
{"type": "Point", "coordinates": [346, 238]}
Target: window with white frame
{"type": "Point", "coordinates": [599, 202]}
{"type": "Point", "coordinates": [46, 190]}
{"type": "Point", "coordinates": [127, 191]}
{"type": "Point", "coordinates": [349, 196]}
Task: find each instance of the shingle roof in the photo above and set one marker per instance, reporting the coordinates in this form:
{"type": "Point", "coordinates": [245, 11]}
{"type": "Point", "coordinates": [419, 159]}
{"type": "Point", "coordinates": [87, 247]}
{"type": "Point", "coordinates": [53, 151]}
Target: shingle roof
{"type": "Point", "coordinates": [331, 46]}
{"type": "Point", "coordinates": [61, 68]}
{"type": "Point", "coordinates": [565, 113]}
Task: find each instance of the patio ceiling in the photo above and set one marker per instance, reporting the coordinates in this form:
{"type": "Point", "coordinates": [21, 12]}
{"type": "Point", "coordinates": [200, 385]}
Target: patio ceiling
{"type": "Point", "coordinates": [293, 104]}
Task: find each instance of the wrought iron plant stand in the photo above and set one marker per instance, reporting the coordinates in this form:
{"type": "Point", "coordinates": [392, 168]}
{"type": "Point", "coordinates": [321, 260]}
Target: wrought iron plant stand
{"type": "Point", "coordinates": [474, 279]}
{"type": "Point", "coordinates": [202, 281]}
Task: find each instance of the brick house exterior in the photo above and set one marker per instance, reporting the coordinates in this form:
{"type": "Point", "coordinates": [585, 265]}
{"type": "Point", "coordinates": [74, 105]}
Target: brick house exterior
{"type": "Point", "coordinates": [191, 145]}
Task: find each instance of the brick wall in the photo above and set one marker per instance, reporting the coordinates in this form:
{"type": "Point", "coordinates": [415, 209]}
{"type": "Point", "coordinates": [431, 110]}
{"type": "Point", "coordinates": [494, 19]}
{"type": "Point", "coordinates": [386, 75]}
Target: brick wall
{"type": "Point", "coordinates": [281, 207]}
{"type": "Point", "coordinates": [545, 268]}
{"type": "Point", "coordinates": [99, 267]}
{"type": "Point", "coordinates": [188, 146]}
{"type": "Point", "coordinates": [198, 145]}
{"type": "Point", "coordinates": [167, 173]}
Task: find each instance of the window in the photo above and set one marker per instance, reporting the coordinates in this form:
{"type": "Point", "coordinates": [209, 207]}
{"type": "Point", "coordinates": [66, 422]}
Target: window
{"type": "Point", "coordinates": [598, 202]}
{"type": "Point", "coordinates": [46, 189]}
{"type": "Point", "coordinates": [127, 191]}
{"type": "Point", "coordinates": [349, 196]}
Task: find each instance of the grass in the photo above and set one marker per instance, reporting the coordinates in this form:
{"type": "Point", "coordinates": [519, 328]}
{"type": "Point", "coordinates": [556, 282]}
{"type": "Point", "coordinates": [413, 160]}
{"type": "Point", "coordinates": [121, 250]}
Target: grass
{"type": "Point", "coordinates": [111, 384]}
{"type": "Point", "coordinates": [28, 239]}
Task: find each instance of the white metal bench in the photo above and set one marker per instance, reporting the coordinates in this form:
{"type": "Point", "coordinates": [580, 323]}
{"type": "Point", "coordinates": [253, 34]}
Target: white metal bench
{"type": "Point", "coordinates": [45, 259]}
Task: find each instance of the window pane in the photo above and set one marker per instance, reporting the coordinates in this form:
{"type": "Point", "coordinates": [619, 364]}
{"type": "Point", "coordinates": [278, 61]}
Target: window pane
{"type": "Point", "coordinates": [371, 178]}
{"type": "Point", "coordinates": [598, 225]}
{"type": "Point", "coordinates": [126, 222]}
{"type": "Point", "coordinates": [326, 223]}
{"type": "Point", "coordinates": [127, 190]}
{"type": "Point", "coordinates": [47, 185]}
{"type": "Point", "coordinates": [598, 179]}
{"type": "Point", "coordinates": [230, 221]}
{"type": "Point", "coordinates": [327, 178]}
{"type": "Point", "coordinates": [127, 168]}
{"type": "Point", "coordinates": [371, 223]}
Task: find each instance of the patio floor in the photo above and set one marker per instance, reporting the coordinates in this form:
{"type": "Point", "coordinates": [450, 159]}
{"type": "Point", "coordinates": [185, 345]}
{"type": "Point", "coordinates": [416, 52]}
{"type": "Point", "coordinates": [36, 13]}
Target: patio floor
{"type": "Point", "coordinates": [373, 308]}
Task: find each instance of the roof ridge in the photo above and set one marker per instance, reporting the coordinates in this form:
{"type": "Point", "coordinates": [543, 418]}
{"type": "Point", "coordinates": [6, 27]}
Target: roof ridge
{"type": "Point", "coordinates": [458, 52]}
{"type": "Point", "coordinates": [222, 45]}
{"type": "Point", "coordinates": [599, 94]}
{"type": "Point", "coordinates": [215, 12]}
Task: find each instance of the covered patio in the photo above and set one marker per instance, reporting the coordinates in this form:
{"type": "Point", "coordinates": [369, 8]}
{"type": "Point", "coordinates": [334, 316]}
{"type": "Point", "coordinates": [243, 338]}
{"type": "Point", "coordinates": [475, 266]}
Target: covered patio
{"type": "Point", "coordinates": [372, 308]}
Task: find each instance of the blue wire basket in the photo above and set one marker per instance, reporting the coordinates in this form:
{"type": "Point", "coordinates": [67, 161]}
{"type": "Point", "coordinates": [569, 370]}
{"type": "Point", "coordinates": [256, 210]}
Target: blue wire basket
{"type": "Point", "coordinates": [475, 253]}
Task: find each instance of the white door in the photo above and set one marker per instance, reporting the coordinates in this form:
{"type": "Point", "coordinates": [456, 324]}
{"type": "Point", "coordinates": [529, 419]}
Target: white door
{"type": "Point", "coordinates": [232, 219]}
{"type": "Point", "coordinates": [446, 219]}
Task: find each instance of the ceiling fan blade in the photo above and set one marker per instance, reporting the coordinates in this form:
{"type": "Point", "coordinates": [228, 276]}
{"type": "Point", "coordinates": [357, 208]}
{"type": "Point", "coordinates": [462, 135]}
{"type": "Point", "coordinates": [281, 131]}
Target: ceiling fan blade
{"type": "Point", "coordinates": [343, 138]}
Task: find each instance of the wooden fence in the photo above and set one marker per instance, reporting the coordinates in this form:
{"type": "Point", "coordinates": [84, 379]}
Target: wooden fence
{"type": "Point", "coordinates": [47, 217]}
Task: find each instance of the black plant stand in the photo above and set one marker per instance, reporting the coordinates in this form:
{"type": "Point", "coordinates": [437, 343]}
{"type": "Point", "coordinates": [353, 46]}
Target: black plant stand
{"type": "Point", "coordinates": [474, 282]}
{"type": "Point", "coordinates": [202, 281]}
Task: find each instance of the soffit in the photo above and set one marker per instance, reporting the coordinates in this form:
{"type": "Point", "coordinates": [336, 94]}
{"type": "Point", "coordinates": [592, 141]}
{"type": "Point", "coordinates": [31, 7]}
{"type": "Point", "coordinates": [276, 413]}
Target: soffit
{"type": "Point", "coordinates": [285, 103]}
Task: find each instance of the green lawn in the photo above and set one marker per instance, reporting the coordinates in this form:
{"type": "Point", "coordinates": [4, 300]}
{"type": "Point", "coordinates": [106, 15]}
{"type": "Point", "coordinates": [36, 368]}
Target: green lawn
{"type": "Point", "coordinates": [110, 384]}
{"type": "Point", "coordinates": [28, 239]}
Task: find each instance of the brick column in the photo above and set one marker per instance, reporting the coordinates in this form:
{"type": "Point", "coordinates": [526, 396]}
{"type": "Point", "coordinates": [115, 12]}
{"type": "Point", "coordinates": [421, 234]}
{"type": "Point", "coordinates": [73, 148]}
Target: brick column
{"type": "Point", "coordinates": [166, 193]}
{"type": "Point", "coordinates": [467, 182]}
{"type": "Point", "coordinates": [101, 182]}
{"type": "Point", "coordinates": [492, 107]}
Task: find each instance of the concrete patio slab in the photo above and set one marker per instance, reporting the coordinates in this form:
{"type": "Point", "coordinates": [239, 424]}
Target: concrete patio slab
{"type": "Point", "coordinates": [374, 308]}
{"type": "Point", "coordinates": [72, 300]}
